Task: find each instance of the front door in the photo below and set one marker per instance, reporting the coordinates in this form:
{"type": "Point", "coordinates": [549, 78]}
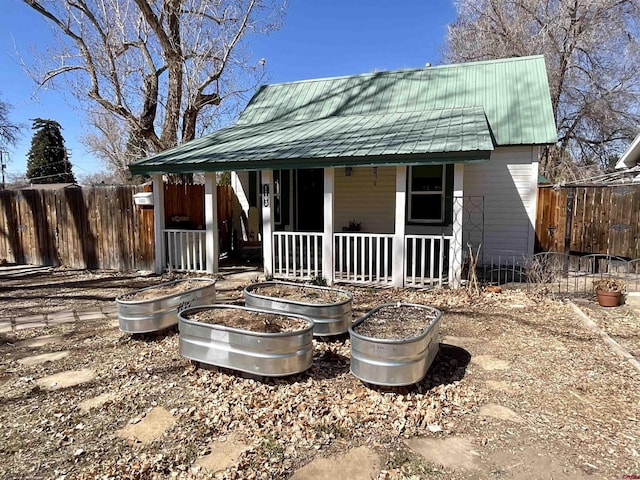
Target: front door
{"type": "Point", "coordinates": [309, 200]}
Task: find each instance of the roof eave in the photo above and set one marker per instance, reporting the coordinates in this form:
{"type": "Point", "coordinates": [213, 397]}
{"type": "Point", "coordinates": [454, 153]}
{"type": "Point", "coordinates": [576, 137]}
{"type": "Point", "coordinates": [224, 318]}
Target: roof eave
{"type": "Point", "coordinates": [630, 156]}
{"type": "Point", "coordinates": [325, 162]}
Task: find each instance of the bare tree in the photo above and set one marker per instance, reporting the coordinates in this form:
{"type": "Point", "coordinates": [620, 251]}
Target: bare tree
{"type": "Point", "coordinates": [161, 67]}
{"type": "Point", "coordinates": [8, 130]}
{"type": "Point", "coordinates": [99, 178]}
{"type": "Point", "coordinates": [593, 63]}
{"type": "Point", "coordinates": [108, 142]}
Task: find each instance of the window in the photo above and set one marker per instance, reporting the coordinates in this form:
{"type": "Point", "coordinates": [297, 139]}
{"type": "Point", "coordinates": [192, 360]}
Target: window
{"type": "Point", "coordinates": [426, 193]}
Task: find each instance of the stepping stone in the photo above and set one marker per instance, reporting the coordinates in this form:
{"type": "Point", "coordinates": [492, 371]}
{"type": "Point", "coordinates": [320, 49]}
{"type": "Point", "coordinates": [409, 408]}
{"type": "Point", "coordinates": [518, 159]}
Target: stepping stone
{"type": "Point", "coordinates": [489, 362]}
{"type": "Point", "coordinates": [501, 385]}
{"type": "Point", "coordinates": [43, 358]}
{"type": "Point", "coordinates": [494, 410]}
{"type": "Point", "coordinates": [88, 315]}
{"type": "Point", "coordinates": [5, 326]}
{"type": "Point", "coordinates": [60, 317]}
{"type": "Point", "coordinates": [69, 378]}
{"type": "Point", "coordinates": [224, 454]}
{"type": "Point", "coordinates": [360, 463]}
{"type": "Point", "coordinates": [30, 321]}
{"type": "Point", "coordinates": [39, 341]}
{"type": "Point", "coordinates": [97, 402]}
{"type": "Point", "coordinates": [532, 463]}
{"type": "Point", "coordinates": [454, 453]}
{"type": "Point", "coordinates": [150, 428]}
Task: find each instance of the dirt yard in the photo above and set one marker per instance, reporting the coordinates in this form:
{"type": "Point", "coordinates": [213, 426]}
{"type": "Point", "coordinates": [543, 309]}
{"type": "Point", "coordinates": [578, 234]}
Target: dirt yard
{"type": "Point", "coordinates": [520, 390]}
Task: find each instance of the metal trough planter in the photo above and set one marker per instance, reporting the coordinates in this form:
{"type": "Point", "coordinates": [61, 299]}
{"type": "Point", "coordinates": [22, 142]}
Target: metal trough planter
{"type": "Point", "coordinates": [258, 353]}
{"type": "Point", "coordinates": [395, 361]}
{"type": "Point", "coordinates": [160, 312]}
{"type": "Point", "coordinates": [330, 318]}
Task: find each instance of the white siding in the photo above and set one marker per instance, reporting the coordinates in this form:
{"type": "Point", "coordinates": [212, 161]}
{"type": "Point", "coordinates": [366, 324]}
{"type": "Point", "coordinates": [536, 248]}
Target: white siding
{"type": "Point", "coordinates": [365, 199]}
{"type": "Point", "coordinates": [508, 184]}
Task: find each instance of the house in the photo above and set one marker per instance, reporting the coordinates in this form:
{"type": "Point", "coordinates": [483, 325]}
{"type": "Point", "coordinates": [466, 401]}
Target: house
{"type": "Point", "coordinates": [630, 160]}
{"type": "Point", "coordinates": [382, 178]}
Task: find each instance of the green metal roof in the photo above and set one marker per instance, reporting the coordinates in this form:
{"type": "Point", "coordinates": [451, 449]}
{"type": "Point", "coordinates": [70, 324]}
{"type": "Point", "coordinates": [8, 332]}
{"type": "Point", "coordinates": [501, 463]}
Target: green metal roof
{"type": "Point", "coordinates": [460, 134]}
{"type": "Point", "coordinates": [453, 112]}
{"type": "Point", "coordinates": [514, 94]}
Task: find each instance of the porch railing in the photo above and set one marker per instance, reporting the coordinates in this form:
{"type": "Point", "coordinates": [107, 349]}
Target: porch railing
{"type": "Point", "coordinates": [297, 255]}
{"type": "Point", "coordinates": [185, 250]}
{"type": "Point", "coordinates": [426, 260]}
{"type": "Point", "coordinates": [363, 258]}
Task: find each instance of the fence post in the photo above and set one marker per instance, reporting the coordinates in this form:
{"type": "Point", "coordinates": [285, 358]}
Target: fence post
{"type": "Point", "coordinates": [266, 195]}
{"type": "Point", "coordinates": [567, 229]}
{"type": "Point", "coordinates": [398, 235]}
{"type": "Point", "coordinates": [327, 234]}
{"type": "Point", "coordinates": [455, 247]}
{"type": "Point", "coordinates": [158, 222]}
{"type": "Point", "coordinates": [212, 247]}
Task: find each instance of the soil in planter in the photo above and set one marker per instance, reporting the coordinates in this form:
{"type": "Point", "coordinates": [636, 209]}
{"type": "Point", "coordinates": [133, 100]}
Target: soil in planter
{"type": "Point", "coordinates": [395, 322]}
{"type": "Point", "coordinates": [249, 321]}
{"type": "Point", "coordinates": [301, 294]}
{"type": "Point", "coordinates": [165, 290]}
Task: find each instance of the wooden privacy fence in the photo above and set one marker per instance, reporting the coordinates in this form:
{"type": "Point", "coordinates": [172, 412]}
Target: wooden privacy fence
{"type": "Point", "coordinates": [93, 228]}
{"type": "Point", "coordinates": [589, 220]}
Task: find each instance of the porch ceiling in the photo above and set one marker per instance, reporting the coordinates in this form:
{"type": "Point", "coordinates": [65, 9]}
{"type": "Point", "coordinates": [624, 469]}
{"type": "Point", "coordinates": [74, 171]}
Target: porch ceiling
{"type": "Point", "coordinates": [428, 136]}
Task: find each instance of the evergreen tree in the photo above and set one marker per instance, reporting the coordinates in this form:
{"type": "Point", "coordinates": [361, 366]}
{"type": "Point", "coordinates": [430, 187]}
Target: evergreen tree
{"type": "Point", "coordinates": [47, 159]}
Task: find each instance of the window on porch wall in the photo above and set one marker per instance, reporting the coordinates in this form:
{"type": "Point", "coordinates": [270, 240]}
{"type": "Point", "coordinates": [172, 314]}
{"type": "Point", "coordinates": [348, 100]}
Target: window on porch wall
{"type": "Point", "coordinates": [429, 192]}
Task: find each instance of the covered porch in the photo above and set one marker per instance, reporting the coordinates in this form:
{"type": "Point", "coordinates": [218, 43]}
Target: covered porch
{"type": "Point", "coordinates": [318, 224]}
{"type": "Point", "coordinates": [411, 209]}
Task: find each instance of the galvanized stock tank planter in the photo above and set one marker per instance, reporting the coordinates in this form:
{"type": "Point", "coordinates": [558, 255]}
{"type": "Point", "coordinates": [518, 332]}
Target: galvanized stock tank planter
{"type": "Point", "coordinates": [156, 308]}
{"type": "Point", "coordinates": [395, 343]}
{"type": "Point", "coordinates": [329, 308]}
{"type": "Point", "coordinates": [247, 339]}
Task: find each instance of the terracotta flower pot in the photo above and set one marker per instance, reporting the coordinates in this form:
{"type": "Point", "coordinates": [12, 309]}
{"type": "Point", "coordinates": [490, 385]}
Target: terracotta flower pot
{"type": "Point", "coordinates": [608, 299]}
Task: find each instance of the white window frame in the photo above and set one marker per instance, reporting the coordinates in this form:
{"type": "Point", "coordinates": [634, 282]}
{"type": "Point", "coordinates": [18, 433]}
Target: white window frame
{"type": "Point", "coordinates": [441, 193]}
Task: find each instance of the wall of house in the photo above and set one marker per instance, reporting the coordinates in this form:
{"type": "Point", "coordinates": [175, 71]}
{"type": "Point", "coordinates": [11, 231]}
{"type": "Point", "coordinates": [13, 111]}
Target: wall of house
{"type": "Point", "coordinates": [508, 184]}
{"type": "Point", "coordinates": [365, 199]}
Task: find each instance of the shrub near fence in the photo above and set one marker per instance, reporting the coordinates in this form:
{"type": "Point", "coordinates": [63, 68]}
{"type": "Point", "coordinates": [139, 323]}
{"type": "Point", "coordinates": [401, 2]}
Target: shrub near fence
{"type": "Point", "coordinates": [93, 228]}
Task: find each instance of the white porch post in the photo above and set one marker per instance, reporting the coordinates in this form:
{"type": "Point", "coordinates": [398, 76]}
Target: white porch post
{"type": "Point", "coordinates": [158, 222]}
{"type": "Point", "coordinates": [398, 235]}
{"type": "Point", "coordinates": [212, 247]}
{"type": "Point", "coordinates": [327, 234]}
{"type": "Point", "coordinates": [266, 196]}
{"type": "Point", "coordinates": [456, 247]}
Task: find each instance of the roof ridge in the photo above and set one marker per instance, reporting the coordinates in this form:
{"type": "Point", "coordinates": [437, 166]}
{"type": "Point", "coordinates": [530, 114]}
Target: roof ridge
{"type": "Point", "coordinates": [408, 69]}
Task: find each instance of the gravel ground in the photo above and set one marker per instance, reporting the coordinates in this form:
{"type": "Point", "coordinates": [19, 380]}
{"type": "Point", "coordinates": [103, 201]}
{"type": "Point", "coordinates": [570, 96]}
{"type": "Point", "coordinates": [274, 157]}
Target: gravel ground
{"type": "Point", "coordinates": [566, 402]}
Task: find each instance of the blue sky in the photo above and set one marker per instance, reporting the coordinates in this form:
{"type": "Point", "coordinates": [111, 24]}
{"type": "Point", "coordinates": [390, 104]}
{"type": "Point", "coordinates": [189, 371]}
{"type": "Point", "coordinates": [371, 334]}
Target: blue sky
{"type": "Point", "coordinates": [317, 39]}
